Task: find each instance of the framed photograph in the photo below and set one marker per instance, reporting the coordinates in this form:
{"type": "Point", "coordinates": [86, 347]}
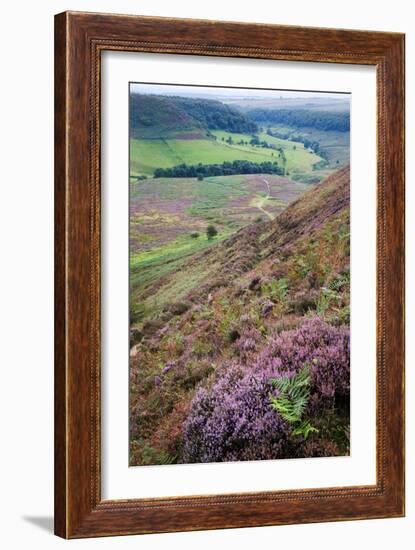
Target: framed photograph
{"type": "Point", "coordinates": [229, 275]}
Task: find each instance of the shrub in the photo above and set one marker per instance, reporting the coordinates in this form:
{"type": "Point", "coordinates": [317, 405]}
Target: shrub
{"type": "Point", "coordinates": [248, 341]}
{"type": "Point", "coordinates": [234, 420]}
{"type": "Point", "coordinates": [324, 347]}
{"type": "Point", "coordinates": [211, 231]}
{"type": "Point", "coordinates": [178, 308]}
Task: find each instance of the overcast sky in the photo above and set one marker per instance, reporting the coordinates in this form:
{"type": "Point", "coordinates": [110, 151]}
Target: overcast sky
{"type": "Point", "coordinates": [217, 92]}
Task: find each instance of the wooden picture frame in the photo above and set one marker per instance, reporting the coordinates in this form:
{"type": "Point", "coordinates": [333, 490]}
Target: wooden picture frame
{"type": "Point", "coordinates": [79, 40]}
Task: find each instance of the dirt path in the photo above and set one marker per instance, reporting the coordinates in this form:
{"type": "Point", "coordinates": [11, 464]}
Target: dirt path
{"type": "Point", "coordinates": [268, 187]}
{"type": "Point", "coordinates": [262, 200]}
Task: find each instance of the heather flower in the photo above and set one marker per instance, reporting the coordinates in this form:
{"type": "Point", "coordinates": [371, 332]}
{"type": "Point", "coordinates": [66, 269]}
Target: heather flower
{"type": "Point", "coordinates": [233, 419]}
{"type": "Point", "coordinates": [169, 366]}
{"type": "Point", "coordinates": [267, 306]}
{"type": "Point", "coordinates": [324, 347]}
{"type": "Point", "coordinates": [248, 341]}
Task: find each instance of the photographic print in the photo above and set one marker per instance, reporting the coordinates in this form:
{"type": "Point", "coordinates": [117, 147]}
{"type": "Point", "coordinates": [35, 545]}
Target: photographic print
{"type": "Point", "coordinates": [203, 369]}
{"type": "Point", "coordinates": [239, 274]}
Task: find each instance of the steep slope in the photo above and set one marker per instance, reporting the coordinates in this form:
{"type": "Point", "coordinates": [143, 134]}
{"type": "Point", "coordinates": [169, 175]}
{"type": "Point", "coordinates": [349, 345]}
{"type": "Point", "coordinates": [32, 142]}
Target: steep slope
{"type": "Point", "coordinates": [226, 261]}
{"type": "Point", "coordinates": [236, 296]}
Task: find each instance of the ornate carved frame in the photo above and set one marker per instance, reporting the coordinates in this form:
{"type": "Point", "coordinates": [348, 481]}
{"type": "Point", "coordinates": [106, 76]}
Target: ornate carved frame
{"type": "Point", "coordinates": [79, 40]}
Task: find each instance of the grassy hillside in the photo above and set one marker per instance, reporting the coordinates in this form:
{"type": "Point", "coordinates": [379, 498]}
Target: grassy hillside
{"type": "Point", "coordinates": [298, 158]}
{"type": "Point", "coordinates": [168, 221]}
{"type": "Point", "coordinates": [147, 155]}
{"type": "Point", "coordinates": [153, 117]}
{"type": "Point", "coordinates": [336, 145]}
{"type": "Point", "coordinates": [226, 307]}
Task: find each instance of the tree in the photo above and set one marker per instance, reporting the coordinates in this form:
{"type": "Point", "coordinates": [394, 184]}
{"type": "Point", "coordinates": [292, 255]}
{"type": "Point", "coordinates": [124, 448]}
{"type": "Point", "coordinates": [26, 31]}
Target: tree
{"type": "Point", "coordinates": [200, 177]}
{"type": "Point", "coordinates": [211, 231]}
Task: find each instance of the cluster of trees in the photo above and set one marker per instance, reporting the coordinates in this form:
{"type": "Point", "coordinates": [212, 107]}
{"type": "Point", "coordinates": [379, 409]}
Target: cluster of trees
{"type": "Point", "coordinates": [320, 164]}
{"type": "Point", "coordinates": [225, 169]}
{"type": "Point", "coordinates": [215, 115]}
{"type": "Point", "coordinates": [262, 143]}
{"type": "Point", "coordinates": [255, 141]}
{"type": "Point", "coordinates": [320, 120]}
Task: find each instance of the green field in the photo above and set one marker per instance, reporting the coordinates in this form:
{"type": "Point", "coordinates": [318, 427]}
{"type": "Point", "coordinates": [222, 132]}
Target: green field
{"type": "Point", "coordinates": [335, 144]}
{"type": "Point", "coordinates": [299, 159]}
{"type": "Point", "coordinates": [148, 154]}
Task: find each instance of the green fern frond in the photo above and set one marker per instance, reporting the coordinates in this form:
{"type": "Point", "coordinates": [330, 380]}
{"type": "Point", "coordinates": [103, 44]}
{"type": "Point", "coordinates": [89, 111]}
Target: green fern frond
{"type": "Point", "coordinates": [282, 384]}
{"type": "Point", "coordinates": [287, 409]}
{"type": "Point", "coordinates": [304, 429]}
{"type": "Point", "coordinates": [293, 400]}
{"type": "Point", "coordinates": [294, 395]}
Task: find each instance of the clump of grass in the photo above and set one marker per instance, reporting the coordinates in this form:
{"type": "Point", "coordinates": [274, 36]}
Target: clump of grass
{"type": "Point", "coordinates": [201, 348]}
{"type": "Point", "coordinates": [327, 297]}
{"type": "Point", "coordinates": [277, 289]}
{"type": "Point", "coordinates": [149, 455]}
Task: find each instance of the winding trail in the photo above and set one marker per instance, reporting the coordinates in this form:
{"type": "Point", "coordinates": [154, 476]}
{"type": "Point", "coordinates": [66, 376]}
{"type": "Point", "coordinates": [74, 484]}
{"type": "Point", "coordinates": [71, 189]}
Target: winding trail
{"type": "Point", "coordinates": [262, 200]}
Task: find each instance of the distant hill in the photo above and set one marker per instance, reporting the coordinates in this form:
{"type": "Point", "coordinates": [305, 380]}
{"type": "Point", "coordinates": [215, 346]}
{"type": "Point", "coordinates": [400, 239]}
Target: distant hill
{"type": "Point", "coordinates": [320, 120]}
{"type": "Point", "coordinates": [333, 104]}
{"type": "Point", "coordinates": [239, 294]}
{"type": "Point", "coordinates": [157, 117]}
{"type": "Point", "coordinates": [153, 117]}
{"type": "Point", "coordinates": [216, 115]}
